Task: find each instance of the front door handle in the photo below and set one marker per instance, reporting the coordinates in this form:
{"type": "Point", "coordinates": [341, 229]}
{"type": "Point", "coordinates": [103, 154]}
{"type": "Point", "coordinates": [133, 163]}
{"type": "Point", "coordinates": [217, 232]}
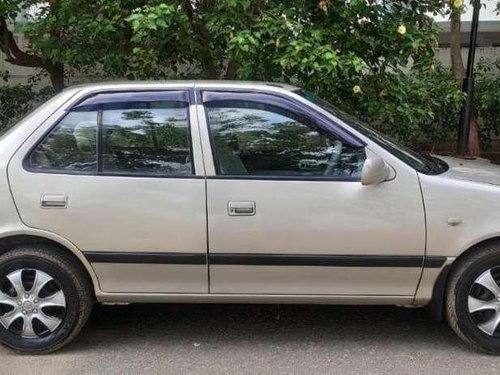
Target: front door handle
{"type": "Point", "coordinates": [54, 201]}
{"type": "Point", "coordinates": [246, 208]}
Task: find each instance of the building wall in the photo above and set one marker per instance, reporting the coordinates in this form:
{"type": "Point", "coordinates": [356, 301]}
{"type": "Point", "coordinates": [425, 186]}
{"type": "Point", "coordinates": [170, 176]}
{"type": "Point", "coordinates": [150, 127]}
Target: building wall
{"type": "Point", "coordinates": [443, 54]}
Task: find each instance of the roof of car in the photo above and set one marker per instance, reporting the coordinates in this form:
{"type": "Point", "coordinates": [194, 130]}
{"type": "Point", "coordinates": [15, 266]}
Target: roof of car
{"type": "Point", "coordinates": [187, 83]}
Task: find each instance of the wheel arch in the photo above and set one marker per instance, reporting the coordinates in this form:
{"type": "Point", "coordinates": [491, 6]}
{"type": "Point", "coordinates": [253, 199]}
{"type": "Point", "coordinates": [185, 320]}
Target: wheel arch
{"type": "Point", "coordinates": [436, 305]}
{"type": "Point", "coordinates": [12, 240]}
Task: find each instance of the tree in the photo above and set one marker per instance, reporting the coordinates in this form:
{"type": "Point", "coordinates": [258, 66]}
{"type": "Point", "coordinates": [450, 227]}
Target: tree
{"type": "Point", "coordinates": [142, 38]}
{"type": "Point", "coordinates": [458, 68]}
{"type": "Point", "coordinates": [15, 55]}
{"type": "Point", "coordinates": [374, 58]}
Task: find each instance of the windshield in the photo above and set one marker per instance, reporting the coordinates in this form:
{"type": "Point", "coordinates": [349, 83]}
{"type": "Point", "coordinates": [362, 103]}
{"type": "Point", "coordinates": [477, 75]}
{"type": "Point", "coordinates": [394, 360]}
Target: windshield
{"type": "Point", "coordinates": [422, 163]}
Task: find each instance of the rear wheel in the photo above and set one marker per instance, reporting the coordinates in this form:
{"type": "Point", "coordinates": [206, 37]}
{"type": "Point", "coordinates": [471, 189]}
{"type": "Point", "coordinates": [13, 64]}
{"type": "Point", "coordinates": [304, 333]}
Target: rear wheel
{"type": "Point", "coordinates": [45, 299]}
{"type": "Point", "coordinates": [473, 299]}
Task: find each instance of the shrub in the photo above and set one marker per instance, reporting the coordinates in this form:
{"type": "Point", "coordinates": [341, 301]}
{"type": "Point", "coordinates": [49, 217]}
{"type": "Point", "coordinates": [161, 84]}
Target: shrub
{"type": "Point", "coordinates": [413, 107]}
{"type": "Point", "coordinates": [18, 100]}
{"type": "Point", "coordinates": [487, 100]}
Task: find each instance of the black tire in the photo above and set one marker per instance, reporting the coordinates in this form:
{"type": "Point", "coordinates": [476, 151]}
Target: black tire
{"type": "Point", "coordinates": [460, 283]}
{"type": "Point", "coordinates": [69, 276]}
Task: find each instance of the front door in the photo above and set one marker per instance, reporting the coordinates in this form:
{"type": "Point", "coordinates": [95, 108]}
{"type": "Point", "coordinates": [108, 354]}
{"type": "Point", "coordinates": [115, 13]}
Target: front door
{"type": "Point", "coordinates": [287, 213]}
{"type": "Point", "coordinates": [116, 177]}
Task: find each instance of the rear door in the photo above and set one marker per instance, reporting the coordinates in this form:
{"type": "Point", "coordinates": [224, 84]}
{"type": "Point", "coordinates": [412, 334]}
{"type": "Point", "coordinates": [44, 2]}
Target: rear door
{"type": "Point", "coordinates": [120, 176]}
{"type": "Point", "coordinates": [287, 213]}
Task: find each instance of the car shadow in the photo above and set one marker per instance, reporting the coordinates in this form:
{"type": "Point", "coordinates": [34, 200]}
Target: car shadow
{"type": "Point", "coordinates": [218, 326]}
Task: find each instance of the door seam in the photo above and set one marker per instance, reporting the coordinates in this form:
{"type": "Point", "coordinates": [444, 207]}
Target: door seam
{"type": "Point", "coordinates": [196, 106]}
{"type": "Point", "coordinates": [425, 238]}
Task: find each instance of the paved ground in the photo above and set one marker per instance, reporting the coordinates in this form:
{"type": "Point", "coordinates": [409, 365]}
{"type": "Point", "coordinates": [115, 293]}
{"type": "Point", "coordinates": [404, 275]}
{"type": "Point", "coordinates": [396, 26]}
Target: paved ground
{"type": "Point", "coordinates": [233, 339]}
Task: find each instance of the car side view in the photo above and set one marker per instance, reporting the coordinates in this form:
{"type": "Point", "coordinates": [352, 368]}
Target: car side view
{"type": "Point", "coordinates": [233, 192]}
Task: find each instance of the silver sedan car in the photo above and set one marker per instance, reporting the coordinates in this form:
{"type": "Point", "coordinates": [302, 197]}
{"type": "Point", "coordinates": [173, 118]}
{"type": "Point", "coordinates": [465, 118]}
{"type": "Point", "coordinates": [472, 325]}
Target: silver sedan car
{"type": "Point", "coordinates": [233, 192]}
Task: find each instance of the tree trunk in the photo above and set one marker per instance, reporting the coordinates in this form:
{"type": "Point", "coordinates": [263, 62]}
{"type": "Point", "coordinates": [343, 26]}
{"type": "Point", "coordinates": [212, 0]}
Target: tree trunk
{"type": "Point", "coordinates": [231, 70]}
{"type": "Point", "coordinates": [474, 142]}
{"type": "Point", "coordinates": [457, 63]}
{"type": "Point", "coordinates": [15, 56]}
{"type": "Point", "coordinates": [458, 69]}
{"type": "Point", "coordinates": [209, 69]}
{"type": "Point", "coordinates": [56, 72]}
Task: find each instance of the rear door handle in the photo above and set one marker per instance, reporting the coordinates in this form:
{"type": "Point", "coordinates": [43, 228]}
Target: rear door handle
{"type": "Point", "coordinates": [245, 208]}
{"type": "Point", "coordinates": [54, 201]}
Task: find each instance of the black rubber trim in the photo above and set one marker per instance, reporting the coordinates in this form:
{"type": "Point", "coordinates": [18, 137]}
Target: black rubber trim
{"type": "Point", "coordinates": [116, 174]}
{"type": "Point", "coordinates": [285, 178]}
{"type": "Point", "coordinates": [99, 140]}
{"type": "Point", "coordinates": [146, 258]}
{"type": "Point", "coordinates": [435, 308]}
{"type": "Point", "coordinates": [266, 259]}
{"type": "Point", "coordinates": [434, 261]}
{"type": "Point", "coordinates": [325, 260]}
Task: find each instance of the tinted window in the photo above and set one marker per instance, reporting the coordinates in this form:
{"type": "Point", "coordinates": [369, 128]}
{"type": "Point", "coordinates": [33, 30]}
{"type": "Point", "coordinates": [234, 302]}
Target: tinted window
{"type": "Point", "coordinates": [70, 146]}
{"type": "Point", "coordinates": [422, 163]}
{"type": "Point", "coordinates": [262, 140]}
{"type": "Point", "coordinates": [146, 138]}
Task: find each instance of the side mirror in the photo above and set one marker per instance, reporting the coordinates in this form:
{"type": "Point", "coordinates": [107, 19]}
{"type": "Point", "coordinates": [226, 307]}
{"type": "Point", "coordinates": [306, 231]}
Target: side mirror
{"type": "Point", "coordinates": [375, 170]}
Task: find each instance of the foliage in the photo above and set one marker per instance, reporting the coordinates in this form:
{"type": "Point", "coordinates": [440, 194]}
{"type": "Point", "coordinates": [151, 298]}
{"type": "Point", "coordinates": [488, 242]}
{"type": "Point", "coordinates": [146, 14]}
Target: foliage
{"type": "Point", "coordinates": [487, 100]}
{"type": "Point", "coordinates": [10, 8]}
{"type": "Point", "coordinates": [306, 39]}
{"type": "Point", "coordinates": [329, 47]}
{"type": "Point", "coordinates": [419, 107]}
{"type": "Point", "coordinates": [16, 101]}
{"type": "Point", "coordinates": [373, 58]}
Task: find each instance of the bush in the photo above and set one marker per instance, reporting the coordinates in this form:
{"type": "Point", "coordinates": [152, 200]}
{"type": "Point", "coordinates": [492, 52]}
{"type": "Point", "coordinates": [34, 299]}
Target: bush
{"type": "Point", "coordinates": [16, 101]}
{"type": "Point", "coordinates": [417, 108]}
{"type": "Point", "coordinates": [487, 101]}
{"type": "Point", "coordinates": [413, 107]}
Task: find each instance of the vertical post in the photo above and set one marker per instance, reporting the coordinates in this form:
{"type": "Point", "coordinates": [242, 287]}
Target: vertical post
{"type": "Point", "coordinates": [468, 85]}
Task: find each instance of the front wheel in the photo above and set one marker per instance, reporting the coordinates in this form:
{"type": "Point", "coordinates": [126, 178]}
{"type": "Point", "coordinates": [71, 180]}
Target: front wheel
{"type": "Point", "coordinates": [45, 299]}
{"type": "Point", "coordinates": [473, 299]}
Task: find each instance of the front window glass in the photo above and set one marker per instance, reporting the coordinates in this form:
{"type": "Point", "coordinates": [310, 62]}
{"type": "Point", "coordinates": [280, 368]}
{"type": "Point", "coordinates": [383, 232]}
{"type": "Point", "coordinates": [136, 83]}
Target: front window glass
{"type": "Point", "coordinates": [256, 139]}
{"type": "Point", "coordinates": [422, 163]}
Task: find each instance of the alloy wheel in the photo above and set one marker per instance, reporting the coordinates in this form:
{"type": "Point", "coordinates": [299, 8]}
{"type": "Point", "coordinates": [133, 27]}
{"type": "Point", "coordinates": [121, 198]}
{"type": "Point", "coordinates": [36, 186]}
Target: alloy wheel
{"type": "Point", "coordinates": [484, 302]}
{"type": "Point", "coordinates": [32, 303]}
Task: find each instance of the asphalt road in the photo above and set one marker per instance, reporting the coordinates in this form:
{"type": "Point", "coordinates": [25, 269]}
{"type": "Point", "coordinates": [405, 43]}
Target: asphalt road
{"type": "Point", "coordinates": [239, 339]}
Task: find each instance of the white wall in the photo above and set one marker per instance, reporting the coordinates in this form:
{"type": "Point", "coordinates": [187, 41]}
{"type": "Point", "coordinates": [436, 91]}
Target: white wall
{"type": "Point", "coordinates": [443, 54]}
{"type": "Point", "coordinates": [486, 14]}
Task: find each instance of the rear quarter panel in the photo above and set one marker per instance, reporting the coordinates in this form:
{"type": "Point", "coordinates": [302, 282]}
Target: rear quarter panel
{"type": "Point", "coordinates": [9, 143]}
